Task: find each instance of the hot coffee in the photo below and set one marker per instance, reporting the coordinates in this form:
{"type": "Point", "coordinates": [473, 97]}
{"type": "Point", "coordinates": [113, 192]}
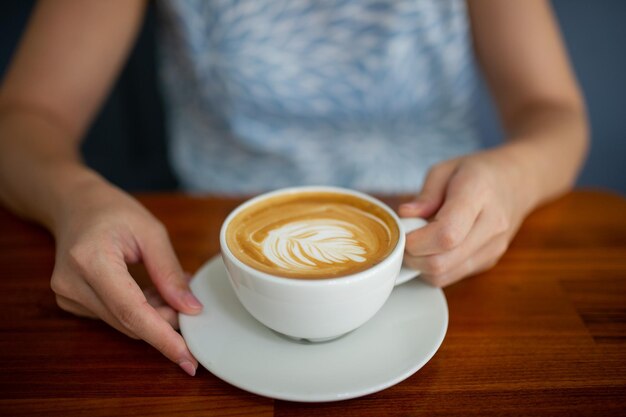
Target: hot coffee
{"type": "Point", "coordinates": [312, 235]}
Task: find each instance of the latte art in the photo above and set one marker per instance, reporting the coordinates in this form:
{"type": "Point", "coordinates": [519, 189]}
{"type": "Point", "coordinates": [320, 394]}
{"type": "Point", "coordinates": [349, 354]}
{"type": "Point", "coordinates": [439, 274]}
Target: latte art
{"type": "Point", "coordinates": [307, 244]}
{"type": "Point", "coordinates": [312, 235]}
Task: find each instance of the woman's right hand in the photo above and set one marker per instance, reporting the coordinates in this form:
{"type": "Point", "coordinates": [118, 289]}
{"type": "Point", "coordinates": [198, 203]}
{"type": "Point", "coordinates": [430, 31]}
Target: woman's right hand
{"type": "Point", "coordinates": [100, 230]}
{"type": "Point", "coordinates": [48, 96]}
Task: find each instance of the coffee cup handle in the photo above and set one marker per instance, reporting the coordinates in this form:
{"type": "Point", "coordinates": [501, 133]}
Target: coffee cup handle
{"type": "Point", "coordinates": [408, 225]}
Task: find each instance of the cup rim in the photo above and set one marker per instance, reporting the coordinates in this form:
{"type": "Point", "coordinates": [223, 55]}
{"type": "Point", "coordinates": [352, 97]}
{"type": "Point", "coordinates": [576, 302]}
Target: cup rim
{"type": "Point", "coordinates": [342, 280]}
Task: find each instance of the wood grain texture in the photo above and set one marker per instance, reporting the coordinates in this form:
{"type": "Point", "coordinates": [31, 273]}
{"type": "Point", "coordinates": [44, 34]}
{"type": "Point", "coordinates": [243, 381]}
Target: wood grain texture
{"type": "Point", "coordinates": [543, 333]}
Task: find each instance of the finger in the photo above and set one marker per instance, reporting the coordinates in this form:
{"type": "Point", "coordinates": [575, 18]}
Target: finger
{"type": "Point", "coordinates": [95, 304]}
{"type": "Point", "coordinates": [451, 224]}
{"type": "Point", "coordinates": [95, 311]}
{"type": "Point", "coordinates": [169, 315]}
{"type": "Point", "coordinates": [85, 303]}
{"type": "Point", "coordinates": [430, 198]}
{"type": "Point", "coordinates": [442, 263]}
{"type": "Point", "coordinates": [74, 308]}
{"type": "Point", "coordinates": [123, 297]}
{"type": "Point", "coordinates": [153, 297]}
{"type": "Point", "coordinates": [79, 298]}
{"type": "Point", "coordinates": [481, 261]}
{"type": "Point", "coordinates": [167, 274]}
{"type": "Point", "coordinates": [156, 301]}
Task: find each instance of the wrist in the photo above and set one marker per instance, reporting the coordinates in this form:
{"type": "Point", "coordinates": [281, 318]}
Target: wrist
{"type": "Point", "coordinates": [548, 144]}
{"type": "Point", "coordinates": [70, 188]}
{"type": "Point", "coordinates": [39, 167]}
{"type": "Point", "coordinates": [517, 166]}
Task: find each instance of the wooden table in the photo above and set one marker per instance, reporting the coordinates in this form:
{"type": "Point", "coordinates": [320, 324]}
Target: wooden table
{"type": "Point", "coordinates": [543, 333]}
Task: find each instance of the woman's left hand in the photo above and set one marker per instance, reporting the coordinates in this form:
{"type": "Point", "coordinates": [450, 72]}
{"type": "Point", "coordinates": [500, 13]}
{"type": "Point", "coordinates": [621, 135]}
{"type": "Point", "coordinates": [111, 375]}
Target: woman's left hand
{"type": "Point", "coordinates": [474, 204]}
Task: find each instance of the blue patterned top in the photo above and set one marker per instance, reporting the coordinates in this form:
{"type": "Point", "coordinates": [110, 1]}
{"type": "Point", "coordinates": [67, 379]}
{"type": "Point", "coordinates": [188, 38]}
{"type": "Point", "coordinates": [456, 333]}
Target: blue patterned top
{"type": "Point", "coordinates": [366, 94]}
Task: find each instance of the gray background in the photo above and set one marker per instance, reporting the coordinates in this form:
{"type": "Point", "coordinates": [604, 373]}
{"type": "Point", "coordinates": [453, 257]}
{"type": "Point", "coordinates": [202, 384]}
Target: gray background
{"type": "Point", "coordinates": [127, 141]}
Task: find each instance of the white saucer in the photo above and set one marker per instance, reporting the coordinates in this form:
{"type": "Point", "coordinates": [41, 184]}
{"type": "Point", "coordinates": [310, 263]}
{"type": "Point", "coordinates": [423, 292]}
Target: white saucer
{"type": "Point", "coordinates": [389, 348]}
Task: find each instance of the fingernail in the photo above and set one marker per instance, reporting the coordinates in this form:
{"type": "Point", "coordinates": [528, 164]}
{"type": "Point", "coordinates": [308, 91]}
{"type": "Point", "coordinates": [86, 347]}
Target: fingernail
{"type": "Point", "coordinates": [188, 367]}
{"type": "Point", "coordinates": [192, 301]}
{"type": "Point", "coordinates": [410, 206]}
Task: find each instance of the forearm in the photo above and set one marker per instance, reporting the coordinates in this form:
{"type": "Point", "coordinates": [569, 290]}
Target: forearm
{"type": "Point", "coordinates": [546, 146]}
{"type": "Point", "coordinates": [40, 166]}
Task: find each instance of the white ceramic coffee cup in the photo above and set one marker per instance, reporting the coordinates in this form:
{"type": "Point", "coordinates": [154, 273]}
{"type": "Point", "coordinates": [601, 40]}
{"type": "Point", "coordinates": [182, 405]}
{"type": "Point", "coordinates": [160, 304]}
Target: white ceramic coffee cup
{"type": "Point", "coordinates": [318, 309]}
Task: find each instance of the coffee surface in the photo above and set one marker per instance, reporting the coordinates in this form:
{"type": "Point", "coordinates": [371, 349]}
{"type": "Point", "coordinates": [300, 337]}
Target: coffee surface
{"type": "Point", "coordinates": [312, 235]}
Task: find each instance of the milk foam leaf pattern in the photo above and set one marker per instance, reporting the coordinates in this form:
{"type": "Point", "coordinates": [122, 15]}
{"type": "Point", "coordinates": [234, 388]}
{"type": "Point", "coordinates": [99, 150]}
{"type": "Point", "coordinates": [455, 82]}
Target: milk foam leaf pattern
{"type": "Point", "coordinates": [307, 244]}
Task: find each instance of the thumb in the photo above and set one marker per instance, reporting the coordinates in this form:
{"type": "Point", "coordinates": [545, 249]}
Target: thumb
{"type": "Point", "coordinates": [431, 197]}
{"type": "Point", "coordinates": [167, 274]}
